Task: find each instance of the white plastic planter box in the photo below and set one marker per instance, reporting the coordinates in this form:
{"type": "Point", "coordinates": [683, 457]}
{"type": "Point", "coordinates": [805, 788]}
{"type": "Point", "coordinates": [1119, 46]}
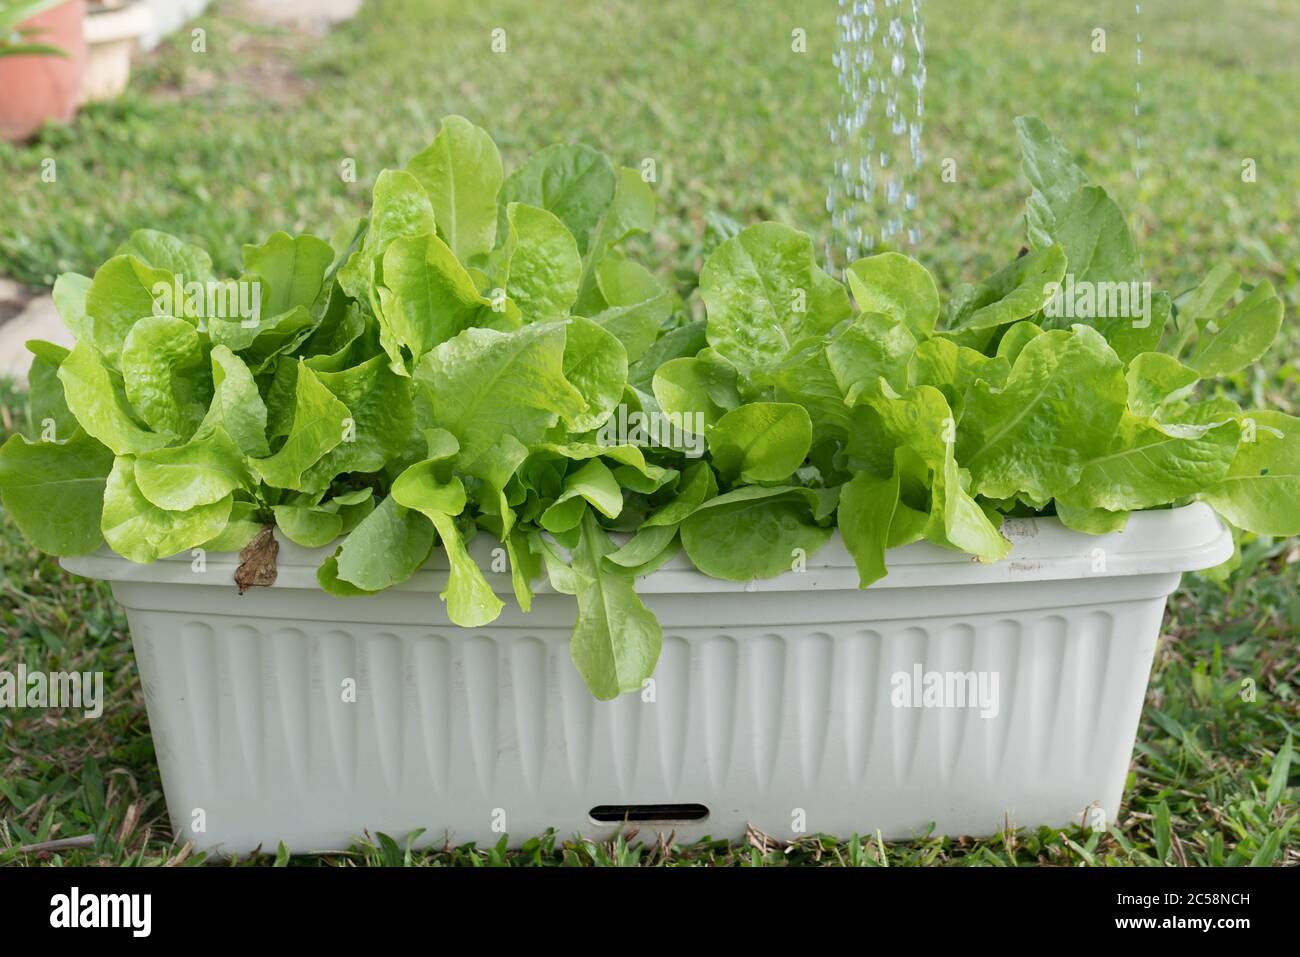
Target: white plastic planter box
{"type": "Point", "coordinates": [775, 703]}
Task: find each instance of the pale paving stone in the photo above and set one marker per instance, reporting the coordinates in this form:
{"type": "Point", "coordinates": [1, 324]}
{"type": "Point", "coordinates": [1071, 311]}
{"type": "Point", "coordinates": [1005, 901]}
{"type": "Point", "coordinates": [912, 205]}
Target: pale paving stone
{"type": "Point", "coordinates": [40, 320]}
{"type": "Point", "coordinates": [315, 16]}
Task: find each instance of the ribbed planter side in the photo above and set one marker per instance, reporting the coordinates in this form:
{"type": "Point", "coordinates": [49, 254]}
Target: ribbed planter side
{"type": "Point", "coordinates": [289, 715]}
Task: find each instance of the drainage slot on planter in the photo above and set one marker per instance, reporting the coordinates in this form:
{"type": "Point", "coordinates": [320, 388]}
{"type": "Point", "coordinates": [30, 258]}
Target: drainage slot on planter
{"type": "Point", "coordinates": [643, 813]}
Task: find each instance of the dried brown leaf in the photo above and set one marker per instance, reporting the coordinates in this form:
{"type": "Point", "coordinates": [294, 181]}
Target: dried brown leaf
{"type": "Point", "coordinates": [257, 561]}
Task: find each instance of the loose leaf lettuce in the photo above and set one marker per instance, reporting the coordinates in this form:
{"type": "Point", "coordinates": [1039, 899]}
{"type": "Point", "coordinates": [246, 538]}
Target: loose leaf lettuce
{"type": "Point", "coordinates": [97, 397]}
{"type": "Point", "coordinates": [483, 355]}
{"type": "Point", "coordinates": [1242, 337]}
{"type": "Point", "coordinates": [471, 603]}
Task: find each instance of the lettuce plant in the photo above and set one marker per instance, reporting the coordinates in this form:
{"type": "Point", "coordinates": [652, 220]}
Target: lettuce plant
{"type": "Point", "coordinates": [480, 357]}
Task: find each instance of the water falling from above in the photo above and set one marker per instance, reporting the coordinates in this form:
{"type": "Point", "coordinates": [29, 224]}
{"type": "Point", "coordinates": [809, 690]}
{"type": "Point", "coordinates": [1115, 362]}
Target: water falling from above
{"type": "Point", "coordinates": [876, 134]}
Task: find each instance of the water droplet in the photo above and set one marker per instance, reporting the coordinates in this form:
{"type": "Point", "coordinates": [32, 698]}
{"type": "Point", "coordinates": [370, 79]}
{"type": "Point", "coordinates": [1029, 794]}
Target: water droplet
{"type": "Point", "coordinates": [881, 65]}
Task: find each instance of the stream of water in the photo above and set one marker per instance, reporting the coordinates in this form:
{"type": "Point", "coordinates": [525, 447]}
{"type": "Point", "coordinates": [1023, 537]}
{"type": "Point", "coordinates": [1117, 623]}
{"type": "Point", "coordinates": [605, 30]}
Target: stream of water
{"type": "Point", "coordinates": [876, 134]}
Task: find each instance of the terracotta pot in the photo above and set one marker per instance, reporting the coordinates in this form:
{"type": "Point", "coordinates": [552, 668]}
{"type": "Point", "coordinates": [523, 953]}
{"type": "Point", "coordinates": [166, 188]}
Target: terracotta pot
{"type": "Point", "coordinates": [34, 89]}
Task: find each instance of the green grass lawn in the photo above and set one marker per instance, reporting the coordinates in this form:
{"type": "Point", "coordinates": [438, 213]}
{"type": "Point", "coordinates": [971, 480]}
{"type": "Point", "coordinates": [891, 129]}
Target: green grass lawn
{"type": "Point", "coordinates": [224, 147]}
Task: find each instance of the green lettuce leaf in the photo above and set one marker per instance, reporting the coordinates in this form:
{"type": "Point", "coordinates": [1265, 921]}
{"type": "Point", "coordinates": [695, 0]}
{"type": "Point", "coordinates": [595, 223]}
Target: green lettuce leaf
{"type": "Point", "coordinates": [461, 172]}
{"type": "Point", "coordinates": [630, 211]}
{"type": "Point", "coordinates": [427, 298]}
{"type": "Point", "coordinates": [164, 374]}
{"type": "Point", "coordinates": [1154, 463]}
{"type": "Point", "coordinates": [1059, 409]}
{"type": "Point", "coordinates": [471, 603]}
{"type": "Point", "coordinates": [242, 526]}
{"type": "Point", "coordinates": [97, 398]}
{"type": "Point", "coordinates": [616, 639]}
{"type": "Point", "coordinates": [761, 442]}
{"type": "Point", "coordinates": [872, 348]}
{"type": "Point", "coordinates": [160, 250]}
{"type": "Point", "coordinates": [1156, 381]}
{"type": "Point", "coordinates": [123, 291]}
{"type": "Point", "coordinates": [320, 423]}
{"type": "Point", "coordinates": [921, 420]}
{"type": "Point", "coordinates": [766, 297]}
{"type": "Point", "coordinates": [308, 525]}
{"type": "Point", "coordinates": [386, 549]}
{"type": "Point", "coordinates": [1090, 521]}
{"type": "Point", "coordinates": [380, 422]}
{"type": "Point", "coordinates": [204, 470]}
{"type": "Point", "coordinates": [636, 304]}
{"type": "Point", "coordinates": [54, 491]}
{"type": "Point", "coordinates": [576, 183]}
{"type": "Point", "coordinates": [866, 512]}
{"type": "Point", "coordinates": [484, 384]}
{"type": "Point", "coordinates": [595, 363]}
{"type": "Point", "coordinates": [290, 269]}
{"type": "Point", "coordinates": [538, 264]}
{"type": "Point", "coordinates": [70, 292]}
{"type": "Point", "coordinates": [1015, 339]}
{"type": "Point", "coordinates": [142, 532]}
{"type": "Point", "coordinates": [896, 286]}
{"type": "Point", "coordinates": [954, 369]}
{"type": "Point", "coordinates": [592, 484]}
{"type": "Point", "coordinates": [49, 417]}
{"type": "Point", "coordinates": [1241, 338]}
{"type": "Point", "coordinates": [1066, 209]}
{"type": "Point", "coordinates": [648, 546]}
{"type": "Point", "coordinates": [400, 207]}
{"type": "Point", "coordinates": [237, 407]}
{"type": "Point", "coordinates": [696, 390]}
{"type": "Point", "coordinates": [1016, 292]}
{"type": "Point", "coordinates": [753, 532]}
{"type": "Point", "coordinates": [1261, 492]}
